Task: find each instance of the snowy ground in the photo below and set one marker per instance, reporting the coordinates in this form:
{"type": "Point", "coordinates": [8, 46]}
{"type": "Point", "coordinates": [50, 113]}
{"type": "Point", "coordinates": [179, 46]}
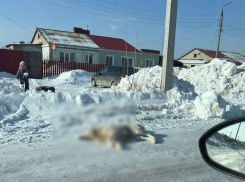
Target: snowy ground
{"type": "Point", "coordinates": [201, 97]}
{"type": "Point", "coordinates": [233, 159]}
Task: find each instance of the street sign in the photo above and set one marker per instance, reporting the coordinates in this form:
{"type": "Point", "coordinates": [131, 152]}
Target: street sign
{"type": "Point", "coordinates": [53, 46]}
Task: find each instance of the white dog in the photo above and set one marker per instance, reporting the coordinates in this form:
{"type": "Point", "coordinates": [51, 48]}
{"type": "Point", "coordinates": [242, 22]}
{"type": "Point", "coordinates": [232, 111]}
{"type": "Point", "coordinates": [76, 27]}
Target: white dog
{"type": "Point", "coordinates": [114, 135]}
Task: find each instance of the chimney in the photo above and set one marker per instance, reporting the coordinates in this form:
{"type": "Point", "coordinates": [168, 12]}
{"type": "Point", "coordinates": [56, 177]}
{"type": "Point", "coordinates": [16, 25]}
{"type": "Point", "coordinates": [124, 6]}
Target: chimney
{"type": "Point", "coordinates": [22, 42]}
{"type": "Point", "coordinates": [81, 31]}
{"type": "Point", "coordinates": [87, 27]}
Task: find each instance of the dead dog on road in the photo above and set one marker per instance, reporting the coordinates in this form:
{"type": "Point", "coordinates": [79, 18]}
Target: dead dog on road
{"type": "Point", "coordinates": [114, 135]}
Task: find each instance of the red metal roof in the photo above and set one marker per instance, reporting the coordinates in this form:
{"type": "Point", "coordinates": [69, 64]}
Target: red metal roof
{"type": "Point", "coordinates": [114, 44]}
{"type": "Point", "coordinates": [212, 53]}
{"type": "Point", "coordinates": [220, 55]}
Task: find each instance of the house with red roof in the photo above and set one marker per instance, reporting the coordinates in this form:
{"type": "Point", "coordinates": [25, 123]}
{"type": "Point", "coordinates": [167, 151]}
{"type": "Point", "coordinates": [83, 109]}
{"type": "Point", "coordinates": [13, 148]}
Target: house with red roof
{"type": "Point", "coordinates": [199, 57]}
{"type": "Point", "coordinates": [81, 46]}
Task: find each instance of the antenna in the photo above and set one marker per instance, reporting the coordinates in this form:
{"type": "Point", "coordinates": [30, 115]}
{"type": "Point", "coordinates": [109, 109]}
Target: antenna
{"type": "Point", "coordinates": [126, 40]}
{"type": "Point", "coordinates": [126, 46]}
{"type": "Point", "coordinates": [136, 45]}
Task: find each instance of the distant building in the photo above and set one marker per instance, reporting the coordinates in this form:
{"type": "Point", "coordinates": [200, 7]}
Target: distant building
{"type": "Point", "coordinates": [176, 63]}
{"type": "Point", "coordinates": [24, 47]}
{"type": "Point", "coordinates": [199, 57]}
{"type": "Point", "coordinates": [81, 46]}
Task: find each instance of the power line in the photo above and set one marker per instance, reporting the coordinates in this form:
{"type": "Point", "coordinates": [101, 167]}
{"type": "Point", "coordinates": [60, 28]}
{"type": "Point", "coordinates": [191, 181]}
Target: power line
{"type": "Point", "coordinates": [100, 14]}
{"type": "Point", "coordinates": [195, 36]}
{"type": "Point", "coordinates": [194, 22]}
{"type": "Point", "coordinates": [234, 28]}
{"type": "Point", "coordinates": [239, 29]}
{"type": "Point", "coordinates": [196, 28]}
{"type": "Point", "coordinates": [212, 41]}
{"type": "Point", "coordinates": [233, 35]}
{"type": "Point", "coordinates": [177, 34]}
{"type": "Point", "coordinates": [213, 37]}
{"type": "Point", "coordinates": [150, 41]}
{"type": "Point", "coordinates": [237, 34]}
{"type": "Point", "coordinates": [118, 13]}
{"type": "Point", "coordinates": [62, 15]}
{"type": "Point", "coordinates": [130, 7]}
{"type": "Point", "coordinates": [114, 10]}
{"type": "Point", "coordinates": [197, 19]}
{"type": "Point", "coordinates": [196, 15]}
{"type": "Point", "coordinates": [150, 10]}
{"type": "Point", "coordinates": [16, 23]}
{"type": "Point", "coordinates": [234, 22]}
{"type": "Point", "coordinates": [190, 25]}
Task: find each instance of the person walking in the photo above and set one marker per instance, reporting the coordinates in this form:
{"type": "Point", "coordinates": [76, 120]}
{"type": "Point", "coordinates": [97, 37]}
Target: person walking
{"type": "Point", "coordinates": [22, 76]}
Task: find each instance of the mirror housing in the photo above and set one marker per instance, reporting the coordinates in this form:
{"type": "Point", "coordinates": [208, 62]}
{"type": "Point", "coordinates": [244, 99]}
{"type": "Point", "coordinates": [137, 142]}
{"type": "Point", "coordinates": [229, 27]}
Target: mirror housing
{"type": "Point", "coordinates": [204, 152]}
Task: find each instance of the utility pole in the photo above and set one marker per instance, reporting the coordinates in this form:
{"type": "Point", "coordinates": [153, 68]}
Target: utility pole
{"type": "Point", "coordinates": [169, 43]}
{"type": "Point", "coordinates": [237, 131]}
{"type": "Point", "coordinates": [220, 29]}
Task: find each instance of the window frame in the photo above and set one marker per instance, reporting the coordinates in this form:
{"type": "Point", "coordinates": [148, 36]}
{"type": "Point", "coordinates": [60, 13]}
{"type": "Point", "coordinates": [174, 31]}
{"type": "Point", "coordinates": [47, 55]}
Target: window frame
{"type": "Point", "coordinates": [153, 61]}
{"type": "Point", "coordinates": [127, 58]}
{"type": "Point", "coordinates": [87, 62]}
{"type": "Point", "coordinates": [69, 53]}
{"type": "Point", "coordinates": [112, 60]}
{"type": "Point", "coordinates": [65, 56]}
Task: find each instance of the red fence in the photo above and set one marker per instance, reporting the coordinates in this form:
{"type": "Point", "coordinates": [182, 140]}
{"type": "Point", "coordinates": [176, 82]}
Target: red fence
{"type": "Point", "coordinates": [52, 68]}
{"type": "Point", "coordinates": [10, 60]}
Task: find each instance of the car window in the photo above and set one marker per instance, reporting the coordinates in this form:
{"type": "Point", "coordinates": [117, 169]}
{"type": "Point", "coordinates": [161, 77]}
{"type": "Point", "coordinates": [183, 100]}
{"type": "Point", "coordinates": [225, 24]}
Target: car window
{"type": "Point", "coordinates": [111, 70]}
{"type": "Point", "coordinates": [104, 70]}
{"type": "Point", "coordinates": [127, 71]}
{"type": "Point", "coordinates": [118, 71]}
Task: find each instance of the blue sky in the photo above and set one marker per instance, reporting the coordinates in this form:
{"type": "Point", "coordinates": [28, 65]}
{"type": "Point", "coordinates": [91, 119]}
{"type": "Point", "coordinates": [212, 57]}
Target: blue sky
{"type": "Point", "coordinates": [232, 131]}
{"type": "Point", "coordinates": [110, 18]}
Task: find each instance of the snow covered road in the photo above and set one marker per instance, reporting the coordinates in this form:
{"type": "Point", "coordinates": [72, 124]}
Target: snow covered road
{"type": "Point", "coordinates": [200, 98]}
{"type": "Point", "coordinates": [176, 158]}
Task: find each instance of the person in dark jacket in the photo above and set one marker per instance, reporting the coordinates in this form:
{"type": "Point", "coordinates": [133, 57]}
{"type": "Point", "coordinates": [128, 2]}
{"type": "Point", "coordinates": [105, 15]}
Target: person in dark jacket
{"type": "Point", "coordinates": [45, 88]}
{"type": "Point", "coordinates": [22, 76]}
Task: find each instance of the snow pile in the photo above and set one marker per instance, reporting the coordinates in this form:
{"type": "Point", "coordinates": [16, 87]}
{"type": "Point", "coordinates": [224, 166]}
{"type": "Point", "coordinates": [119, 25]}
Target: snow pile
{"type": "Point", "coordinates": [142, 81]}
{"type": "Point", "coordinates": [74, 77]}
{"type": "Point", "coordinates": [6, 75]}
{"type": "Point", "coordinates": [209, 88]}
{"type": "Point", "coordinates": [209, 105]}
{"type": "Point", "coordinates": [10, 99]}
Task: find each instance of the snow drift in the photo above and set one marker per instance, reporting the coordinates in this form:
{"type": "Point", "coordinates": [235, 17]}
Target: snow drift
{"type": "Point", "coordinates": [74, 77]}
{"type": "Point", "coordinates": [211, 86]}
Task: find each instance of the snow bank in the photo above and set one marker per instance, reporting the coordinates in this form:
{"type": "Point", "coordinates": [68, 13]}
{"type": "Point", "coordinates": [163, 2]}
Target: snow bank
{"type": "Point", "coordinates": [6, 75]}
{"type": "Point", "coordinates": [10, 98]}
{"type": "Point", "coordinates": [215, 90]}
{"type": "Point", "coordinates": [142, 81]}
{"type": "Point", "coordinates": [74, 77]}
{"type": "Point", "coordinates": [209, 105]}
{"type": "Point", "coordinates": [207, 87]}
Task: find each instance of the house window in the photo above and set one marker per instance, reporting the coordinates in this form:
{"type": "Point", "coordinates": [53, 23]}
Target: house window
{"type": "Point", "coordinates": [109, 60]}
{"type": "Point", "coordinates": [195, 55]}
{"type": "Point", "coordinates": [62, 57]}
{"type": "Point", "coordinates": [89, 58]}
{"type": "Point", "coordinates": [67, 57]}
{"type": "Point", "coordinates": [149, 62]}
{"type": "Point", "coordinates": [127, 62]}
{"type": "Point", "coordinates": [38, 35]}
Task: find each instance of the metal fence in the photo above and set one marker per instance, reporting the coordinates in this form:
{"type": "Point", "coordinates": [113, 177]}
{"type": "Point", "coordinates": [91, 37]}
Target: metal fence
{"type": "Point", "coordinates": [51, 68]}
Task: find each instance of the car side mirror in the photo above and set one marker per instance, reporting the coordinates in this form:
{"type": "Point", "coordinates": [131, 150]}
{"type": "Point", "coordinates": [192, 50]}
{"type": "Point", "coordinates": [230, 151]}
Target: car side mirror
{"type": "Point", "coordinates": [223, 147]}
{"type": "Point", "coordinates": [99, 73]}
